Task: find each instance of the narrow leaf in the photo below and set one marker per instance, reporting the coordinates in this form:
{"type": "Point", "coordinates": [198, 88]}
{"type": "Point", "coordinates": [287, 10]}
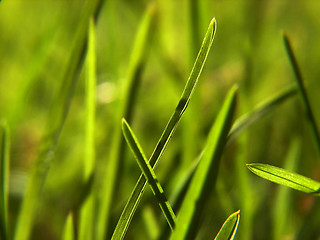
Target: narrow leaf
{"type": "Point", "coordinates": [149, 174]}
{"type": "Point", "coordinates": [285, 177]}
{"type": "Point", "coordinates": [229, 227]}
{"type": "Point", "coordinates": [206, 173]}
{"type": "Point", "coordinates": [4, 174]}
{"type": "Point", "coordinates": [137, 193]}
{"type": "Point", "coordinates": [68, 232]}
{"type": "Point", "coordinates": [302, 90]}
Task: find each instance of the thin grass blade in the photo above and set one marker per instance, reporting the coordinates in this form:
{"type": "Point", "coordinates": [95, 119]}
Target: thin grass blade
{"type": "Point", "coordinates": [138, 191]}
{"type": "Point", "coordinates": [302, 90]}
{"type": "Point", "coordinates": [206, 173]}
{"type": "Point", "coordinates": [260, 110]}
{"type": "Point", "coordinates": [4, 174]}
{"type": "Point", "coordinates": [87, 209]}
{"type": "Point", "coordinates": [68, 232]}
{"type": "Point", "coordinates": [149, 174]}
{"type": "Point", "coordinates": [56, 120]}
{"type": "Point", "coordinates": [229, 227]}
{"type": "Point", "coordinates": [111, 177]}
{"type": "Point", "coordinates": [285, 177]}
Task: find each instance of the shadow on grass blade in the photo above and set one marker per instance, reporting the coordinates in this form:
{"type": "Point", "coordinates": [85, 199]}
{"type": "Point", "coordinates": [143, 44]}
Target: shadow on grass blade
{"type": "Point", "coordinates": [206, 173]}
{"type": "Point", "coordinates": [137, 193]}
{"type": "Point", "coordinates": [148, 174]}
{"type": "Point", "coordinates": [4, 174]}
{"type": "Point", "coordinates": [285, 177]}
{"type": "Point", "coordinates": [229, 227]}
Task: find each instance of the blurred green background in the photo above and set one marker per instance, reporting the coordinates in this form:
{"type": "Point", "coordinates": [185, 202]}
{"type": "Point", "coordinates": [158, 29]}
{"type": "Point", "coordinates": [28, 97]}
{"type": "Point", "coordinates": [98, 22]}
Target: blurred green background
{"type": "Point", "coordinates": [35, 42]}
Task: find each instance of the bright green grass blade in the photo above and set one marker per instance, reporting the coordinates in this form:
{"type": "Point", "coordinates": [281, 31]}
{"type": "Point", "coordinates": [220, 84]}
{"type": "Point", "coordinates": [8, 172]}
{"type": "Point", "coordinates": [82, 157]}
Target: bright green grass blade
{"type": "Point", "coordinates": [68, 232]}
{"type": "Point", "coordinates": [137, 193]}
{"type": "Point", "coordinates": [137, 62]}
{"type": "Point", "coordinates": [260, 110]}
{"type": "Point", "coordinates": [148, 174]}
{"type": "Point", "coordinates": [229, 227]}
{"type": "Point", "coordinates": [150, 220]}
{"type": "Point", "coordinates": [55, 125]}
{"type": "Point", "coordinates": [302, 90]}
{"type": "Point", "coordinates": [87, 210]}
{"type": "Point", "coordinates": [4, 174]}
{"type": "Point", "coordinates": [285, 177]}
{"type": "Point", "coordinates": [206, 173]}
{"type": "Point", "coordinates": [282, 204]}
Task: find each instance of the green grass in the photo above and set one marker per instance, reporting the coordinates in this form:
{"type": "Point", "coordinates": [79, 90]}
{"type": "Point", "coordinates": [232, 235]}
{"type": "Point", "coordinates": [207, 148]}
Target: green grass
{"type": "Point", "coordinates": [95, 93]}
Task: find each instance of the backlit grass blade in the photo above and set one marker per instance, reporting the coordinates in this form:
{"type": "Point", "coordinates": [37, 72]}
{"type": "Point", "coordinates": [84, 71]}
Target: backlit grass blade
{"type": "Point", "coordinates": [68, 232]}
{"type": "Point", "coordinates": [110, 179]}
{"type": "Point", "coordinates": [229, 227]}
{"type": "Point", "coordinates": [148, 174]}
{"type": "Point", "coordinates": [87, 209]}
{"type": "Point", "coordinates": [56, 120]}
{"type": "Point", "coordinates": [302, 89]}
{"type": "Point", "coordinates": [206, 173]}
{"type": "Point", "coordinates": [285, 177]}
{"type": "Point", "coordinates": [260, 110]}
{"type": "Point", "coordinates": [136, 194]}
{"type": "Point", "coordinates": [4, 174]}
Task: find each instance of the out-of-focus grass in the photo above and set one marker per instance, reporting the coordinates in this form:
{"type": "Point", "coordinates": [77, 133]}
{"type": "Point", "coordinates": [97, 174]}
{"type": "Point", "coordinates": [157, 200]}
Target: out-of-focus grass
{"type": "Point", "coordinates": [35, 42]}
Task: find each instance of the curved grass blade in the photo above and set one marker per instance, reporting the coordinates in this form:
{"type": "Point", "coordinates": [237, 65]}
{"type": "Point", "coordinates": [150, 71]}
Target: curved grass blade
{"type": "Point", "coordinates": [87, 209]}
{"type": "Point", "coordinates": [229, 227]}
{"type": "Point", "coordinates": [302, 90]}
{"type": "Point", "coordinates": [56, 120]}
{"type": "Point", "coordinates": [206, 173]}
{"type": "Point", "coordinates": [137, 193]}
{"type": "Point", "coordinates": [68, 232]}
{"type": "Point", "coordinates": [4, 174]}
{"type": "Point", "coordinates": [148, 173]}
{"type": "Point", "coordinates": [260, 110]}
{"type": "Point", "coordinates": [137, 62]}
{"type": "Point", "coordinates": [285, 177]}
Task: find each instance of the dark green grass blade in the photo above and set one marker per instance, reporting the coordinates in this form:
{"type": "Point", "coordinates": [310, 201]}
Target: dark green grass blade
{"type": "Point", "coordinates": [137, 193]}
{"type": "Point", "coordinates": [68, 232]}
{"type": "Point", "coordinates": [260, 110]}
{"type": "Point", "coordinates": [4, 174]}
{"type": "Point", "coordinates": [206, 173]}
{"type": "Point", "coordinates": [137, 62]}
{"type": "Point", "coordinates": [229, 227]}
{"type": "Point", "coordinates": [285, 177]}
{"type": "Point", "coordinates": [87, 209]}
{"type": "Point", "coordinates": [148, 174]}
{"type": "Point", "coordinates": [55, 125]}
{"type": "Point", "coordinates": [302, 89]}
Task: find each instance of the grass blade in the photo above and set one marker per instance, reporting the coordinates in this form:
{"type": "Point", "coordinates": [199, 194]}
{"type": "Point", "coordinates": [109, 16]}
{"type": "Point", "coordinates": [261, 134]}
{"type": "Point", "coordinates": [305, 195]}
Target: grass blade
{"type": "Point", "coordinates": [137, 193]}
{"type": "Point", "coordinates": [285, 177]}
{"type": "Point", "coordinates": [206, 173]}
{"type": "Point", "coordinates": [136, 65]}
{"type": "Point", "coordinates": [259, 111]}
{"type": "Point", "coordinates": [4, 174]}
{"type": "Point", "coordinates": [56, 120]}
{"type": "Point", "coordinates": [68, 232]}
{"type": "Point", "coordinates": [302, 90]}
{"type": "Point", "coordinates": [148, 173]}
{"type": "Point", "coordinates": [87, 209]}
{"type": "Point", "coordinates": [229, 227]}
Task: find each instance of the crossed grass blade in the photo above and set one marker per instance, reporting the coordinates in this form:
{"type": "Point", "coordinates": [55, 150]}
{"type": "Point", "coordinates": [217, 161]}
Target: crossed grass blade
{"type": "Point", "coordinates": [105, 193]}
{"type": "Point", "coordinates": [4, 174]}
{"type": "Point", "coordinates": [137, 193]}
{"type": "Point", "coordinates": [206, 173]}
{"type": "Point", "coordinates": [285, 177]}
{"type": "Point", "coordinates": [56, 120]}
{"type": "Point", "coordinates": [229, 228]}
{"type": "Point", "coordinates": [149, 174]}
